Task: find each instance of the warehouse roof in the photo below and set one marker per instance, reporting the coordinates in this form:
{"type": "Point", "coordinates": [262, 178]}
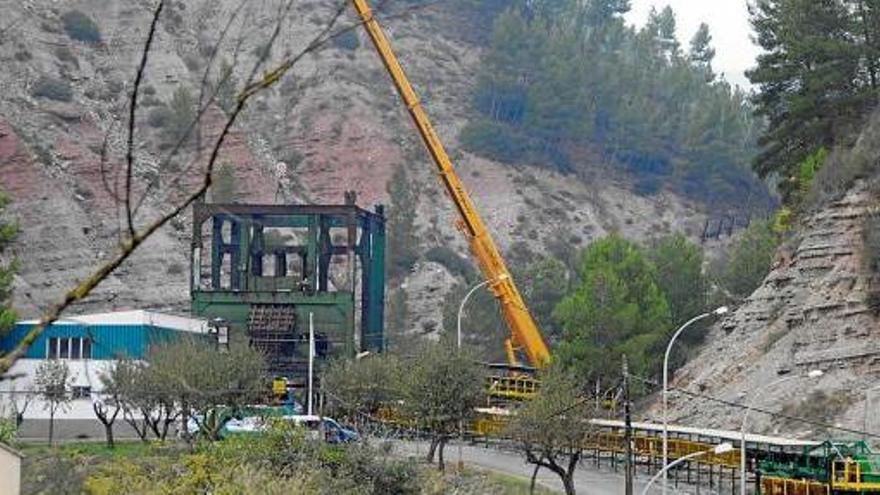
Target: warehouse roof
{"type": "Point", "coordinates": [135, 317]}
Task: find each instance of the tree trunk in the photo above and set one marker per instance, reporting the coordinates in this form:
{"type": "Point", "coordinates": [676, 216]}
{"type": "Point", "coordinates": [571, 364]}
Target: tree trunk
{"type": "Point", "coordinates": [166, 425]}
{"type": "Point", "coordinates": [441, 464]}
{"type": "Point", "coordinates": [108, 430]}
{"type": "Point", "coordinates": [568, 482]}
{"type": "Point", "coordinates": [431, 449]}
{"type": "Point", "coordinates": [534, 479]}
{"type": "Point", "coordinates": [51, 425]}
{"type": "Point", "coordinates": [139, 427]}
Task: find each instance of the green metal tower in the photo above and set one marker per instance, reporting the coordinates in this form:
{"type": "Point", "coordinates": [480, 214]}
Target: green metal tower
{"type": "Point", "coordinates": [272, 266]}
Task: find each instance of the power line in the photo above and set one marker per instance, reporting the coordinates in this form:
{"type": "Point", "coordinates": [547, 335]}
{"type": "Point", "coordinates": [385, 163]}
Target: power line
{"type": "Point", "coordinates": [775, 414]}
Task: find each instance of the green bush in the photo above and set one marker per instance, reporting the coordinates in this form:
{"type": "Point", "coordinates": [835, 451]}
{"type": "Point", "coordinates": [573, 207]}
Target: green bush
{"type": "Point", "coordinates": [52, 89]}
{"type": "Point", "coordinates": [159, 117]}
{"type": "Point", "coordinates": [279, 461]}
{"type": "Point", "coordinates": [494, 140]}
{"type": "Point", "coordinates": [843, 167]}
{"type": "Point", "coordinates": [8, 430]}
{"type": "Point", "coordinates": [348, 40]}
{"type": "Point", "coordinates": [81, 27]}
{"type": "Point", "coordinates": [743, 266]}
{"type": "Point", "coordinates": [452, 261]}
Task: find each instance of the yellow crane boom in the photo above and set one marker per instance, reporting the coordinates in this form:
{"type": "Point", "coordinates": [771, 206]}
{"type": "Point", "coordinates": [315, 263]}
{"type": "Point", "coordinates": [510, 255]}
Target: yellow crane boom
{"type": "Point", "coordinates": [525, 335]}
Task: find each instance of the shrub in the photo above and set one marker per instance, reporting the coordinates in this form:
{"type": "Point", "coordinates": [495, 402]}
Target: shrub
{"type": "Point", "coordinates": [452, 261]}
{"type": "Point", "coordinates": [192, 62]}
{"type": "Point", "coordinates": [841, 168]}
{"type": "Point", "coordinates": [175, 268]}
{"type": "Point", "coordinates": [65, 55]}
{"type": "Point", "coordinates": [81, 27]}
{"type": "Point", "coordinates": [53, 89]}
{"type": "Point", "coordinates": [183, 113]}
{"type": "Point", "coordinates": [348, 40]}
{"type": "Point", "coordinates": [742, 267]}
{"type": "Point", "coordinates": [493, 140]}
{"type": "Point", "coordinates": [223, 184]}
{"type": "Point", "coordinates": [159, 116]}
{"type": "Point", "coordinates": [8, 430]}
{"type": "Point", "coordinates": [263, 51]}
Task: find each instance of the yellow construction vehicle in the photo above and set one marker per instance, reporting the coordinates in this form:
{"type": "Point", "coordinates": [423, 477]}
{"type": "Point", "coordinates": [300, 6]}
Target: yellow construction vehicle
{"type": "Point", "coordinates": [525, 336]}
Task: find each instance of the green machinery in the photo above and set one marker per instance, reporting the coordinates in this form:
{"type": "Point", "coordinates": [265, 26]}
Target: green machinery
{"type": "Point", "coordinates": [273, 267]}
{"type": "Point", "coordinates": [829, 467]}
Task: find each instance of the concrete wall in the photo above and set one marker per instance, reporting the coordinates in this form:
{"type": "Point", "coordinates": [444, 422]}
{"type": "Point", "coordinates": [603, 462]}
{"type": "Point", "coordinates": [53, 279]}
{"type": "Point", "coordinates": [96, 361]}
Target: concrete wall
{"type": "Point", "coordinates": [10, 472]}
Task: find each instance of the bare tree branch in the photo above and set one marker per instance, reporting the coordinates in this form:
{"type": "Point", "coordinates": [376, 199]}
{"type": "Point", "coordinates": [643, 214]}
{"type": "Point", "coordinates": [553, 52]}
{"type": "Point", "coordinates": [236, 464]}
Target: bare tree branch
{"type": "Point", "coordinates": [137, 238]}
{"type": "Point", "coordinates": [129, 155]}
{"type": "Point", "coordinates": [252, 87]}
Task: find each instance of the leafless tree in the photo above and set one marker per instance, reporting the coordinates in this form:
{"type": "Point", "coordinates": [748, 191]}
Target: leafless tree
{"type": "Point", "coordinates": [20, 401]}
{"type": "Point", "coordinates": [551, 430]}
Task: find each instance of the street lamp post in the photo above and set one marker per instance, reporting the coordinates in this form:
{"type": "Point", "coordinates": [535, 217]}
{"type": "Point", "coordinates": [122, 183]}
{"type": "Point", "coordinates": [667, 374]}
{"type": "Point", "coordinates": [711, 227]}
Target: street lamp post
{"type": "Point", "coordinates": [719, 311]}
{"type": "Point", "coordinates": [742, 430]}
{"type": "Point", "coordinates": [718, 449]}
{"type": "Point", "coordinates": [465, 300]}
{"type": "Point", "coordinates": [458, 341]}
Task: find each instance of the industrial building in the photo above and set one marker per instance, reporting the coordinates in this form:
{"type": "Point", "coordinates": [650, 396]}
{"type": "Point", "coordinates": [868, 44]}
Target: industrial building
{"type": "Point", "coordinates": [89, 344]}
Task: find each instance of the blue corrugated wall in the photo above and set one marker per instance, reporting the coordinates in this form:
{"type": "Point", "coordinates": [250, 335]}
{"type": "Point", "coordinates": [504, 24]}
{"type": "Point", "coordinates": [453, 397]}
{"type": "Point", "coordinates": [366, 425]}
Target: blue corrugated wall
{"type": "Point", "coordinates": [108, 341]}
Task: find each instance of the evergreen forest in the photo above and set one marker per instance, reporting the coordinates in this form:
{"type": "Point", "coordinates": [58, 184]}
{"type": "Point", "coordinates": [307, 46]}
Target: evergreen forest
{"type": "Point", "coordinates": [568, 84]}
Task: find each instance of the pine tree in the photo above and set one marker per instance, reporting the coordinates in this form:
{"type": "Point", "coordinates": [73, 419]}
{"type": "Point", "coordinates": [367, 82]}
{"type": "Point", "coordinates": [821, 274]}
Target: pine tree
{"type": "Point", "coordinates": [679, 264]}
{"type": "Point", "coordinates": [564, 76]}
{"type": "Point", "coordinates": [227, 87]}
{"type": "Point", "coordinates": [8, 233]}
{"type": "Point", "coordinates": [701, 52]}
{"type": "Point", "coordinates": [403, 241]}
{"type": "Point", "coordinates": [811, 80]}
{"type": "Point", "coordinates": [616, 306]}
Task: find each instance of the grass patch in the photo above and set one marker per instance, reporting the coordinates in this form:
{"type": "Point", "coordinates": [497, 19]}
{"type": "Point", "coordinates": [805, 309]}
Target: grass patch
{"type": "Point", "coordinates": [98, 449]}
{"type": "Point", "coordinates": [514, 485]}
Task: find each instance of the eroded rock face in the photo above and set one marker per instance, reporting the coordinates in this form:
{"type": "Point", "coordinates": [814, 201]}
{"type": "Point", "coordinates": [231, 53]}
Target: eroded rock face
{"type": "Point", "coordinates": [810, 313]}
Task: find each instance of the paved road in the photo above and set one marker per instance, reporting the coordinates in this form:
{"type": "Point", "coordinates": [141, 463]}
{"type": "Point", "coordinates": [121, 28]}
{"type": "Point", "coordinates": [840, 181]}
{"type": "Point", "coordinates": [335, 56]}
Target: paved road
{"type": "Point", "coordinates": [588, 480]}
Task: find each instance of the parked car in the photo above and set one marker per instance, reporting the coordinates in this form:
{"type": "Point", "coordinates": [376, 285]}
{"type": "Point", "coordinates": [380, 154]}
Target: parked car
{"type": "Point", "coordinates": [328, 429]}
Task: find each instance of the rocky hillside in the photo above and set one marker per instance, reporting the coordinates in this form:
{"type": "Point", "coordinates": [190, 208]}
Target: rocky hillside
{"type": "Point", "coordinates": [334, 122]}
{"type": "Point", "coordinates": [811, 313]}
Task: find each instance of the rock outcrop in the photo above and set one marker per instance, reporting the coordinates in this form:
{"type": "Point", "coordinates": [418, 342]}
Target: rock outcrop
{"type": "Point", "coordinates": [810, 313]}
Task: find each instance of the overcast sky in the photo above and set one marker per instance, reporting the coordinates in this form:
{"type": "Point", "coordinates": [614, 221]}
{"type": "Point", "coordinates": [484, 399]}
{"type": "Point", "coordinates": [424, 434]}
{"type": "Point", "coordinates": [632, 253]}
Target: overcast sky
{"type": "Point", "coordinates": [728, 22]}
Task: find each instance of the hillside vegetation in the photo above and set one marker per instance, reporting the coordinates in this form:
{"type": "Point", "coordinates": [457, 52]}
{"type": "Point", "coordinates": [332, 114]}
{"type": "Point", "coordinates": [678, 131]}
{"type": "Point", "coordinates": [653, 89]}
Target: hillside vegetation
{"type": "Point", "coordinates": [562, 80]}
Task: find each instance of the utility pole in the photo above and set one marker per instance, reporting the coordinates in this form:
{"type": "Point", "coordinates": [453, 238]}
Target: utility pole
{"type": "Point", "coordinates": [627, 429]}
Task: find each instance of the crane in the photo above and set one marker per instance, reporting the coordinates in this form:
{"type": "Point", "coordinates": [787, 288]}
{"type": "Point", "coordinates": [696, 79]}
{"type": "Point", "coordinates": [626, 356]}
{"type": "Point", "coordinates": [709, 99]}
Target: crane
{"type": "Point", "coordinates": [524, 334]}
